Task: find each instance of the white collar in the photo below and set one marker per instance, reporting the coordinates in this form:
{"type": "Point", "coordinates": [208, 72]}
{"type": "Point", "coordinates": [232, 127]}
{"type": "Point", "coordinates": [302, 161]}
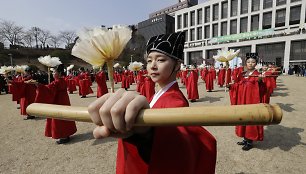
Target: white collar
{"type": "Point", "coordinates": [158, 94]}
{"type": "Point", "coordinates": [250, 73]}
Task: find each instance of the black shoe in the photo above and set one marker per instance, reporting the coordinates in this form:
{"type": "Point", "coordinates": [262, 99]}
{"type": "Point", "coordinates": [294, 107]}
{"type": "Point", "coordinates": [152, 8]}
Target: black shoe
{"type": "Point", "coordinates": [29, 117]}
{"type": "Point", "coordinates": [83, 97]}
{"type": "Point", "coordinates": [63, 140]}
{"type": "Point", "coordinates": [242, 143]}
{"type": "Point", "coordinates": [247, 147]}
{"type": "Point", "coordinates": [18, 107]}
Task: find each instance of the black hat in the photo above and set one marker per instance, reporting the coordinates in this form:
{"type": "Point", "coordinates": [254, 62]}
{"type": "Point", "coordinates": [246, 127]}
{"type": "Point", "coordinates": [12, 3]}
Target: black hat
{"type": "Point", "coordinates": [171, 45]}
{"type": "Point", "coordinates": [251, 55]}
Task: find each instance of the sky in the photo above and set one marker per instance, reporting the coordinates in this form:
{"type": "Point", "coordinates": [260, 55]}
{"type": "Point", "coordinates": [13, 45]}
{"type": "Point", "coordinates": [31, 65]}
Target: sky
{"type": "Point", "coordinates": [62, 15]}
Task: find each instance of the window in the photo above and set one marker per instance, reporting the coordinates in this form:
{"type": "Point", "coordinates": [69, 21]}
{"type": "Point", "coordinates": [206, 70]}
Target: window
{"type": "Point", "coordinates": [207, 32]}
{"type": "Point", "coordinates": [224, 10]}
{"type": "Point", "coordinates": [234, 7]}
{"type": "Point", "coordinates": [295, 13]}
{"type": "Point", "coordinates": [233, 29]}
{"type": "Point", "coordinates": [295, 0]}
{"type": "Point", "coordinates": [207, 14]}
{"type": "Point", "coordinates": [255, 5]}
{"type": "Point", "coordinates": [267, 4]}
{"type": "Point", "coordinates": [192, 34]}
{"type": "Point", "coordinates": [216, 12]}
{"type": "Point", "coordinates": [215, 30]}
{"type": "Point", "coordinates": [244, 6]}
{"type": "Point", "coordinates": [199, 33]}
{"type": "Point", "coordinates": [223, 28]}
{"type": "Point", "coordinates": [298, 50]}
{"type": "Point", "coordinates": [280, 2]}
{"type": "Point", "coordinates": [267, 20]}
{"type": "Point", "coordinates": [254, 22]}
{"type": "Point", "coordinates": [186, 35]}
{"type": "Point", "coordinates": [192, 18]}
{"type": "Point", "coordinates": [185, 20]}
{"type": "Point", "coordinates": [200, 16]}
{"type": "Point", "coordinates": [280, 18]}
{"type": "Point", "coordinates": [244, 25]}
{"type": "Point", "coordinates": [179, 21]}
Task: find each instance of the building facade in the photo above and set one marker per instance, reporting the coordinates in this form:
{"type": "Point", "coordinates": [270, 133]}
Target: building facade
{"type": "Point", "coordinates": [276, 29]}
{"type": "Point", "coordinates": [162, 21]}
{"type": "Point", "coordinates": [173, 8]}
{"type": "Point", "coordinates": [161, 24]}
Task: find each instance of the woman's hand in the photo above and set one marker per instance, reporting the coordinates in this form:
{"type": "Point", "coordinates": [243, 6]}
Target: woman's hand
{"type": "Point", "coordinates": [115, 114]}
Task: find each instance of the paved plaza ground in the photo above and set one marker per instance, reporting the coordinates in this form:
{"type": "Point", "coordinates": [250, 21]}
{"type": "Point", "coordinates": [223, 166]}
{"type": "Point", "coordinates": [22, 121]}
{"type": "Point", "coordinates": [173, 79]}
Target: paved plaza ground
{"type": "Point", "coordinates": [25, 149]}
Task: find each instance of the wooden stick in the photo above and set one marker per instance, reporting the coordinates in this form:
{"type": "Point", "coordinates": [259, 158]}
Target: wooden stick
{"type": "Point", "coordinates": [255, 114]}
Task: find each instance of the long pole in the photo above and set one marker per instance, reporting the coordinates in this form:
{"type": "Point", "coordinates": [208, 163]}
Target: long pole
{"type": "Point", "coordinates": [255, 114]}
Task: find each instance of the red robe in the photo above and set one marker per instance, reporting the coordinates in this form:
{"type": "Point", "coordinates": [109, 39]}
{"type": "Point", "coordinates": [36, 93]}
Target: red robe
{"type": "Point", "coordinates": [125, 79]}
{"type": "Point", "coordinates": [209, 79]}
{"type": "Point", "coordinates": [101, 81]}
{"type": "Point", "coordinates": [71, 83]}
{"type": "Point", "coordinates": [184, 76]}
{"type": "Point", "coordinates": [84, 85]}
{"type": "Point", "coordinates": [26, 93]}
{"type": "Point", "coordinates": [192, 85]}
{"type": "Point", "coordinates": [247, 91]}
{"type": "Point", "coordinates": [228, 76]}
{"type": "Point", "coordinates": [204, 72]}
{"type": "Point", "coordinates": [269, 86]}
{"type": "Point", "coordinates": [140, 81]}
{"type": "Point", "coordinates": [175, 150]}
{"type": "Point", "coordinates": [221, 77]}
{"type": "Point", "coordinates": [56, 93]}
{"type": "Point", "coordinates": [235, 74]}
{"type": "Point", "coordinates": [148, 88]}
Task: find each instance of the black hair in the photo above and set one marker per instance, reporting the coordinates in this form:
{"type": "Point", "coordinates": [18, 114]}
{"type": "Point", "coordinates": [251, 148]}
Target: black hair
{"type": "Point", "coordinates": [61, 69]}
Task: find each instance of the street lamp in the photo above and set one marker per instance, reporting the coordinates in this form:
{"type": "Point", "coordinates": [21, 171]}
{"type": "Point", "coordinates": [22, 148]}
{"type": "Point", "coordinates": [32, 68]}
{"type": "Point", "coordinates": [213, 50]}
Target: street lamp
{"type": "Point", "coordinates": [11, 57]}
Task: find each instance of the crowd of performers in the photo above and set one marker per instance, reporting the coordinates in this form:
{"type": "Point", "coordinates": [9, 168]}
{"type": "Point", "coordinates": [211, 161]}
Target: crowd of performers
{"type": "Point", "coordinates": [150, 149]}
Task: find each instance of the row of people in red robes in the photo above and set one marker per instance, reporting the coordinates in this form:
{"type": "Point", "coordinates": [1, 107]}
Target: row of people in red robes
{"type": "Point", "coordinates": [251, 87]}
{"type": "Point", "coordinates": [27, 91]}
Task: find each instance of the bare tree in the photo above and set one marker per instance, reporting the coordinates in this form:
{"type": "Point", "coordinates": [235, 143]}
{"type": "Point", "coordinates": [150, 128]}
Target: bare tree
{"type": "Point", "coordinates": [11, 32]}
{"type": "Point", "coordinates": [28, 38]}
{"type": "Point", "coordinates": [55, 41]}
{"type": "Point", "coordinates": [68, 37]}
{"type": "Point", "coordinates": [43, 36]}
{"type": "Point", "coordinates": [35, 32]}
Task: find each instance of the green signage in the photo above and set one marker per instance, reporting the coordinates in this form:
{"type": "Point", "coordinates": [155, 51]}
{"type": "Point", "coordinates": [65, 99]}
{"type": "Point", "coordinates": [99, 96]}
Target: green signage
{"type": "Point", "coordinates": [252, 34]}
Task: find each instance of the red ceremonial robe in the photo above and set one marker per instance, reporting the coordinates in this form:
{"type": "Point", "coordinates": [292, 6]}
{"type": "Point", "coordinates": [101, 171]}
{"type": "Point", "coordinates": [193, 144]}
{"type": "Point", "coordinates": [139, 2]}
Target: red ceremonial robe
{"type": "Point", "coordinates": [101, 81]}
{"type": "Point", "coordinates": [148, 88]}
{"type": "Point", "coordinates": [228, 76]}
{"type": "Point", "coordinates": [71, 83]}
{"type": "Point", "coordinates": [140, 81]}
{"type": "Point", "coordinates": [184, 76]}
{"type": "Point", "coordinates": [209, 79]}
{"type": "Point", "coordinates": [192, 87]}
{"type": "Point", "coordinates": [26, 92]}
{"type": "Point", "coordinates": [125, 79]}
{"type": "Point", "coordinates": [221, 77]}
{"type": "Point", "coordinates": [235, 74]}
{"type": "Point", "coordinates": [204, 72]}
{"type": "Point", "coordinates": [247, 91]}
{"type": "Point", "coordinates": [56, 93]}
{"type": "Point", "coordinates": [175, 150]}
{"type": "Point", "coordinates": [268, 84]}
{"type": "Point", "coordinates": [84, 85]}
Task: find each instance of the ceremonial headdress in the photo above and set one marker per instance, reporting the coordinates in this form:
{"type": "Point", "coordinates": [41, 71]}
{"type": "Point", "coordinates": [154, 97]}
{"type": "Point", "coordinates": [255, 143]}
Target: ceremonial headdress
{"type": "Point", "coordinates": [171, 45]}
{"type": "Point", "coordinates": [251, 55]}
